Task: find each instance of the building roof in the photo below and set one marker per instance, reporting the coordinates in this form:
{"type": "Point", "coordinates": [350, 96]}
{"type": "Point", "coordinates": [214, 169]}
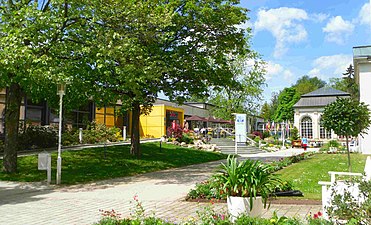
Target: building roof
{"type": "Point", "coordinates": [320, 97]}
{"type": "Point", "coordinates": [361, 51]}
{"type": "Point", "coordinates": [325, 91]}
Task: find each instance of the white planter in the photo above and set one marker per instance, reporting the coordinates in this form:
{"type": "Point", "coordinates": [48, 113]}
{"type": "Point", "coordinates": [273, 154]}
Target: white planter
{"type": "Point", "coordinates": [241, 205]}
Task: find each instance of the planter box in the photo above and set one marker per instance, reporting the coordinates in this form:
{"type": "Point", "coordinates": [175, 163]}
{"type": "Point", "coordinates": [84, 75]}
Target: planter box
{"type": "Point", "coordinates": [241, 205]}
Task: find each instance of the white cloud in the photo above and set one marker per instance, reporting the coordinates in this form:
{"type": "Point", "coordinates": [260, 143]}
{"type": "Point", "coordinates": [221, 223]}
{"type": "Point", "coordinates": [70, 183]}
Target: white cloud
{"type": "Point", "coordinates": [319, 17]}
{"type": "Point", "coordinates": [365, 14]}
{"type": "Point", "coordinates": [284, 25]}
{"type": "Point", "coordinates": [326, 67]}
{"type": "Point", "coordinates": [338, 30]}
{"type": "Point", "coordinates": [274, 69]}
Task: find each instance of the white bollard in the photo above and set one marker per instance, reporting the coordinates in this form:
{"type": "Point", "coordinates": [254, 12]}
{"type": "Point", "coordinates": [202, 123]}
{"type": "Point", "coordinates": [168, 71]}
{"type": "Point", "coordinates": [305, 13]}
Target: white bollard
{"type": "Point", "coordinates": [124, 133]}
{"type": "Point", "coordinates": [80, 135]}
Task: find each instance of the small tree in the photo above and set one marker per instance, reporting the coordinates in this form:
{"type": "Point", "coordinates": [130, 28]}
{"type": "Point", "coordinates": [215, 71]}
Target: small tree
{"type": "Point", "coordinates": [347, 117]}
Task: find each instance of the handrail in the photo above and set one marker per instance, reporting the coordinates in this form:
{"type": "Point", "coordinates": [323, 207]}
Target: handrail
{"type": "Point", "coordinates": [250, 140]}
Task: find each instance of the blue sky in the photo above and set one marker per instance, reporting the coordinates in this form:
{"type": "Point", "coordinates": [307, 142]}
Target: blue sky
{"type": "Point", "coordinates": [312, 37]}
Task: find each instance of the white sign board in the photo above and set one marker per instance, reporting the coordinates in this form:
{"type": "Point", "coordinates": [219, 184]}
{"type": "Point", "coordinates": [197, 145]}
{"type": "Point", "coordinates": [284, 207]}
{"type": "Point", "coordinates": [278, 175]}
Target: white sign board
{"type": "Point", "coordinates": [43, 162]}
{"type": "Point", "coordinates": [240, 127]}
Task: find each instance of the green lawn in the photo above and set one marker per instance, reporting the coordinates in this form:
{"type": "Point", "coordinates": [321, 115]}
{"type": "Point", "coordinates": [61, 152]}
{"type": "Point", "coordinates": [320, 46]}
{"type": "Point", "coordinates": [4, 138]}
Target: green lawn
{"type": "Point", "coordinates": [92, 165]}
{"type": "Point", "coordinates": [306, 174]}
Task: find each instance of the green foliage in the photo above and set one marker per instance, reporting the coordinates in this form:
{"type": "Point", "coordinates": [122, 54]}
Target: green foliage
{"type": "Point", "coordinates": [308, 84]}
{"type": "Point", "coordinates": [187, 138]}
{"type": "Point", "coordinates": [94, 133]}
{"type": "Point", "coordinates": [347, 117]}
{"type": "Point", "coordinates": [111, 162]}
{"type": "Point", "coordinates": [265, 112]}
{"type": "Point", "coordinates": [246, 91]}
{"type": "Point", "coordinates": [294, 134]}
{"type": "Point", "coordinates": [344, 206]}
{"type": "Point", "coordinates": [247, 179]}
{"type": "Point", "coordinates": [286, 100]}
{"type": "Point", "coordinates": [38, 137]}
{"type": "Point", "coordinates": [333, 143]}
{"type": "Point", "coordinates": [210, 189]}
{"type": "Point", "coordinates": [347, 83]}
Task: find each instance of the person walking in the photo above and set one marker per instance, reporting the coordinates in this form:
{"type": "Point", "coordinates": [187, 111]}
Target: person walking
{"type": "Point", "coordinates": [304, 143]}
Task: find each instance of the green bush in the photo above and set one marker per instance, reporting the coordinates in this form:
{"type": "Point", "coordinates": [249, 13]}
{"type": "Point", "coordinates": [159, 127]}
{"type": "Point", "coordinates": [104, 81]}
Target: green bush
{"type": "Point", "coordinates": [34, 137]}
{"type": "Point", "coordinates": [210, 189]}
{"type": "Point", "coordinates": [94, 133]}
{"type": "Point", "coordinates": [266, 134]}
{"type": "Point", "coordinates": [70, 138]}
{"type": "Point", "coordinates": [187, 138]}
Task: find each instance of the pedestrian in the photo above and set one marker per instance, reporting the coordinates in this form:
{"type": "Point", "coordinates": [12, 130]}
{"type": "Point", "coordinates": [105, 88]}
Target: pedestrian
{"type": "Point", "coordinates": [304, 143]}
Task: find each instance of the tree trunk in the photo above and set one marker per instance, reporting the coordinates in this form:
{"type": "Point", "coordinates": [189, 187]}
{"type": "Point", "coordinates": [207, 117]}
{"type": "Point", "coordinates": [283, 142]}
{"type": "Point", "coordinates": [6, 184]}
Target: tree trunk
{"type": "Point", "coordinates": [349, 165]}
{"type": "Point", "coordinates": [135, 136]}
{"type": "Point", "coordinates": [12, 108]}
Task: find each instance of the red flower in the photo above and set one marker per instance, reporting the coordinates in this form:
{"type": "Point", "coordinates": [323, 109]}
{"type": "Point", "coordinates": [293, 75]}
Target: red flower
{"type": "Point", "coordinates": [319, 214]}
{"type": "Point", "coordinates": [315, 216]}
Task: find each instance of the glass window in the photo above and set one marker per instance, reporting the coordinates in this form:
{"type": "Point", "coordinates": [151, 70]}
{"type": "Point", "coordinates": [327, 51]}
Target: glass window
{"type": "Point", "coordinates": [323, 133]}
{"type": "Point", "coordinates": [306, 127]}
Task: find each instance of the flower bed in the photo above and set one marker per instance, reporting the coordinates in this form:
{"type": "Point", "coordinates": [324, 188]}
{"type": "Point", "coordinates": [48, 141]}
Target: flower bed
{"type": "Point", "coordinates": [212, 188]}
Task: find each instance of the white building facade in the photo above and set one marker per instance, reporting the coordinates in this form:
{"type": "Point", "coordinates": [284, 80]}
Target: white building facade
{"type": "Point", "coordinates": [309, 109]}
{"type": "Point", "coordinates": [362, 73]}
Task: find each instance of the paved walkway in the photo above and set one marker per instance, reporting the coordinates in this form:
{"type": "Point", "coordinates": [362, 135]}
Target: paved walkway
{"type": "Point", "coordinates": [160, 192]}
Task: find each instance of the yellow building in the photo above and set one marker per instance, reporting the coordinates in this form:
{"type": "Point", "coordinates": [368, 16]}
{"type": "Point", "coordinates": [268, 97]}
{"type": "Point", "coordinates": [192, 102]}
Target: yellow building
{"type": "Point", "coordinates": [154, 124]}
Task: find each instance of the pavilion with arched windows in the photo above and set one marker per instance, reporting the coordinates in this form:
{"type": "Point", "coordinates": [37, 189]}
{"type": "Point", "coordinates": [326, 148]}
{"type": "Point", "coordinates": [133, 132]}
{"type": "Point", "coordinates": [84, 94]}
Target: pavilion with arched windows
{"type": "Point", "coordinates": [309, 109]}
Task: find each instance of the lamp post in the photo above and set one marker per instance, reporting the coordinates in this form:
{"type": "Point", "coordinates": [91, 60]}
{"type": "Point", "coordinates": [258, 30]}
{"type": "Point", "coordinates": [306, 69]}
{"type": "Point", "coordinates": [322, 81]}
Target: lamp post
{"type": "Point", "coordinates": [61, 88]}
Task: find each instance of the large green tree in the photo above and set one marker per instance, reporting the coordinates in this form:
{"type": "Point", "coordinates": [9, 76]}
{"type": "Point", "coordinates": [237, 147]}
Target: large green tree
{"type": "Point", "coordinates": [347, 117]}
{"type": "Point", "coordinates": [180, 47]}
{"type": "Point", "coordinates": [35, 54]}
{"type": "Point", "coordinates": [242, 97]}
{"type": "Point", "coordinates": [308, 84]}
{"type": "Point", "coordinates": [286, 100]}
{"type": "Point", "coordinates": [347, 83]}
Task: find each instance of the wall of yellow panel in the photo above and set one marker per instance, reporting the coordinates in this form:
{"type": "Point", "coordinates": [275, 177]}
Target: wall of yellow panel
{"type": "Point", "coordinates": [152, 125]}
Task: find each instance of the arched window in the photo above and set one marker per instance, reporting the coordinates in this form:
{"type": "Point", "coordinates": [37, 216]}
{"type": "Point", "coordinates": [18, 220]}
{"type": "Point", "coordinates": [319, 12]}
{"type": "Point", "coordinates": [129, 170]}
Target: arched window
{"type": "Point", "coordinates": [306, 127]}
{"type": "Point", "coordinates": [323, 133]}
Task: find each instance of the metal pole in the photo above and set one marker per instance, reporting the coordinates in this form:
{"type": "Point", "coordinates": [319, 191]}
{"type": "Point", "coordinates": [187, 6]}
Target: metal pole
{"type": "Point", "coordinates": [235, 144]}
{"type": "Point", "coordinates": [283, 135]}
{"type": "Point", "coordinates": [49, 169]}
{"type": "Point", "coordinates": [59, 160]}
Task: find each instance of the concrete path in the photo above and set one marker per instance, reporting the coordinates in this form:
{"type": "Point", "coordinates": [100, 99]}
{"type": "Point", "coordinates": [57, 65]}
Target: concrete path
{"type": "Point", "coordinates": [160, 192]}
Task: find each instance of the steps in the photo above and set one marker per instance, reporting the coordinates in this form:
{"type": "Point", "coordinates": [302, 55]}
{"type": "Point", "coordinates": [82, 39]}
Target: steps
{"type": "Point", "coordinates": [227, 146]}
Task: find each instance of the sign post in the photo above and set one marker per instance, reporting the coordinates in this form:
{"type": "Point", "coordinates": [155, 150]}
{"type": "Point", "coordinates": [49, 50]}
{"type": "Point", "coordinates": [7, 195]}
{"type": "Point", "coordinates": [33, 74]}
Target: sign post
{"type": "Point", "coordinates": [45, 163]}
{"type": "Point", "coordinates": [240, 129]}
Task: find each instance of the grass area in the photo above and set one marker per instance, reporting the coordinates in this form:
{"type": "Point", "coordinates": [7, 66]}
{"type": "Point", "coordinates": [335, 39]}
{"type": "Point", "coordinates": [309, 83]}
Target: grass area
{"type": "Point", "coordinates": [306, 174]}
{"type": "Point", "coordinates": [94, 164]}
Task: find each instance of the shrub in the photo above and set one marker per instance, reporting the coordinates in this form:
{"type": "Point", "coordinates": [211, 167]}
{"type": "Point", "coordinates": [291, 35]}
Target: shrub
{"type": "Point", "coordinates": [294, 134]}
{"type": "Point", "coordinates": [38, 137]}
{"type": "Point", "coordinates": [346, 207]}
{"type": "Point", "coordinates": [210, 189]}
{"type": "Point", "coordinates": [70, 138]}
{"type": "Point", "coordinates": [187, 138]}
{"type": "Point", "coordinates": [247, 179]}
{"type": "Point", "coordinates": [258, 134]}
{"type": "Point", "coordinates": [333, 143]}
{"type": "Point", "coordinates": [176, 133]}
{"type": "Point", "coordinates": [94, 133]}
{"type": "Point", "coordinates": [266, 134]}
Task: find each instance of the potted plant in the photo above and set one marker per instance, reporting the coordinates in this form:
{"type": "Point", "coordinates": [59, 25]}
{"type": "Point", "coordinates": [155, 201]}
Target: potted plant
{"type": "Point", "coordinates": [248, 185]}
